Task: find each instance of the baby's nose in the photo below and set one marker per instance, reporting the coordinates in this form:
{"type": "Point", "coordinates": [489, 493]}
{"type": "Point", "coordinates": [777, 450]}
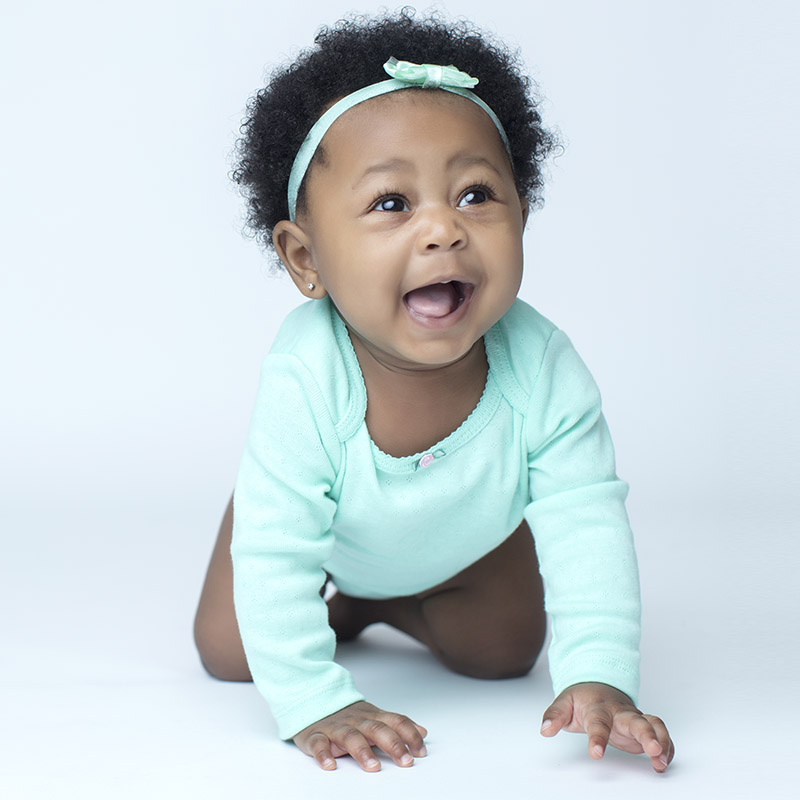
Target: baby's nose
{"type": "Point", "coordinates": [442, 229]}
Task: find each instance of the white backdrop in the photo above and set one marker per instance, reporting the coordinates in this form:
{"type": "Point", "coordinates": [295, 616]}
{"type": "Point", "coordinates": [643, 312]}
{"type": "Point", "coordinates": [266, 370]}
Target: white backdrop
{"type": "Point", "coordinates": [134, 315]}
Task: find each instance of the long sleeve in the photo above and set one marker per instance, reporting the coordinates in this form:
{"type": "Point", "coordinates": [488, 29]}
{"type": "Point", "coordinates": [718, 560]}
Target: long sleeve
{"type": "Point", "coordinates": [578, 519]}
{"type": "Point", "coordinates": [281, 539]}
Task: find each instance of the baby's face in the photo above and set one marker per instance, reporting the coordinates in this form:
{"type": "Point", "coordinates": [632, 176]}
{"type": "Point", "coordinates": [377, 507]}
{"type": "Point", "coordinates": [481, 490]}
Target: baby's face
{"type": "Point", "coordinates": [415, 226]}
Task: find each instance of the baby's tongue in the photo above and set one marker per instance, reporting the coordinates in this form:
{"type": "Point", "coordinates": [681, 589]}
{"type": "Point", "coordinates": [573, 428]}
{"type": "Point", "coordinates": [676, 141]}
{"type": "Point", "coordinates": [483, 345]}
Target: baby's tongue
{"type": "Point", "coordinates": [436, 300]}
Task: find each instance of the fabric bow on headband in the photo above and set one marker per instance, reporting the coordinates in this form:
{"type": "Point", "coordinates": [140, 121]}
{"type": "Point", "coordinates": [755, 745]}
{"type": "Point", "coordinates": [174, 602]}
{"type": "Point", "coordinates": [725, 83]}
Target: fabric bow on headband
{"type": "Point", "coordinates": [429, 76]}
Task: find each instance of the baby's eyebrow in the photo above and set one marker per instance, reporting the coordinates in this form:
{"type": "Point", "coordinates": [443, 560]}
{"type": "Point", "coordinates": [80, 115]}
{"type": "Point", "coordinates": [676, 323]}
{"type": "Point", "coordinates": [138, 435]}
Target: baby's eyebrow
{"type": "Point", "coordinates": [458, 161]}
{"type": "Point", "coordinates": [461, 160]}
{"type": "Point", "coordinates": [393, 165]}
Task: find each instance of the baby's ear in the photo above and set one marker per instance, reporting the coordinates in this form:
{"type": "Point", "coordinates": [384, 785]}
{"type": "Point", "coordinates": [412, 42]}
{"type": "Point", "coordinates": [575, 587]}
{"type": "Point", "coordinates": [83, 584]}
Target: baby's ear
{"type": "Point", "coordinates": [293, 246]}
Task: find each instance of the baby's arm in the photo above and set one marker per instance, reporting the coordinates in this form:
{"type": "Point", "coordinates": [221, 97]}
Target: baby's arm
{"type": "Point", "coordinates": [608, 716]}
{"type": "Point", "coordinates": [281, 539]}
{"type": "Point", "coordinates": [588, 563]}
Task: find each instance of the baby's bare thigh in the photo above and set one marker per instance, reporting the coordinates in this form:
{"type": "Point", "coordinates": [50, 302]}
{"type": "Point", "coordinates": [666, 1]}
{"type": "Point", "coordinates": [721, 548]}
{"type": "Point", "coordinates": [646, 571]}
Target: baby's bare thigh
{"type": "Point", "coordinates": [489, 620]}
{"type": "Point", "coordinates": [216, 632]}
{"type": "Point", "coordinates": [511, 569]}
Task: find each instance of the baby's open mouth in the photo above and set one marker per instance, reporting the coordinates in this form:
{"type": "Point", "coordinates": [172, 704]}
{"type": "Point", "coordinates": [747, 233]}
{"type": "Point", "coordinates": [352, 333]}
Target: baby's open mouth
{"type": "Point", "coordinates": [438, 300]}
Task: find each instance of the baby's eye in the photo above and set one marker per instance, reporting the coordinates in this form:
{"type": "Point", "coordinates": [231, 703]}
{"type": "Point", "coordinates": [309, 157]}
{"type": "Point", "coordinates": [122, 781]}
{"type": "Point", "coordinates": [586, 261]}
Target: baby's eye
{"type": "Point", "coordinates": [474, 196]}
{"type": "Point", "coordinates": [391, 204]}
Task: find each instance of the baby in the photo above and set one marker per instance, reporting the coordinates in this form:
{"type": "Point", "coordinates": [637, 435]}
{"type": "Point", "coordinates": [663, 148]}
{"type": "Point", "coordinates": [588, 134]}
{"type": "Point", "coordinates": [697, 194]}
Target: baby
{"type": "Point", "coordinates": [423, 439]}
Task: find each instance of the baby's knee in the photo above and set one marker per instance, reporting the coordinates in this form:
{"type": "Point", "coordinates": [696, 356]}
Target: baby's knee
{"type": "Point", "coordinates": [497, 660]}
{"type": "Point", "coordinates": [224, 669]}
{"type": "Point", "coordinates": [224, 660]}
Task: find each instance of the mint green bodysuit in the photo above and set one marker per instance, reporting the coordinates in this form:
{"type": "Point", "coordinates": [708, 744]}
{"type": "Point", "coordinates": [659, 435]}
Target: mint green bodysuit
{"type": "Point", "coordinates": [315, 494]}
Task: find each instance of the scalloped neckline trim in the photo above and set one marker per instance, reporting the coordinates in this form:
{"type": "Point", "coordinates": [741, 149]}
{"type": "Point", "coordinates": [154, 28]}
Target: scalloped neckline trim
{"type": "Point", "coordinates": [475, 422]}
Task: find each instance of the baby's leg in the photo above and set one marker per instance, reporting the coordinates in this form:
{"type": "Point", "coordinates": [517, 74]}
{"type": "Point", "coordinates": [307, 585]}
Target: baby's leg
{"type": "Point", "coordinates": [216, 632]}
{"type": "Point", "coordinates": [487, 622]}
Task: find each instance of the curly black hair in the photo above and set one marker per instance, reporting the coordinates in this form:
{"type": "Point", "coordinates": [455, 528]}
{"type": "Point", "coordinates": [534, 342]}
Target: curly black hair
{"type": "Point", "coordinates": [350, 55]}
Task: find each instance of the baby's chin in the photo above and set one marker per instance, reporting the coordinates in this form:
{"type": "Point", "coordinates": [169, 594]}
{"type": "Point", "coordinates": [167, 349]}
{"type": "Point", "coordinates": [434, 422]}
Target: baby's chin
{"type": "Point", "coordinates": [420, 356]}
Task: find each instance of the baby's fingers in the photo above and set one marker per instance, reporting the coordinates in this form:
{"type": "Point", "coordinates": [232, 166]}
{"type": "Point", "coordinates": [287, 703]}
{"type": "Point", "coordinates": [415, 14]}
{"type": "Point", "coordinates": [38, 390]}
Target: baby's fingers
{"type": "Point", "coordinates": [354, 742]}
{"type": "Point", "coordinates": [661, 759]}
{"type": "Point", "coordinates": [319, 747]}
{"type": "Point", "coordinates": [342, 740]}
{"type": "Point", "coordinates": [411, 734]}
{"type": "Point", "coordinates": [645, 733]}
{"type": "Point", "coordinates": [355, 730]}
{"type": "Point", "coordinates": [389, 740]}
{"type": "Point", "coordinates": [598, 728]}
{"type": "Point", "coordinates": [557, 716]}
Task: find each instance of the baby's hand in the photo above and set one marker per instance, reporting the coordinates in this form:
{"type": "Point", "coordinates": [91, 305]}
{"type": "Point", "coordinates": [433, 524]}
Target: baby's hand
{"type": "Point", "coordinates": [358, 727]}
{"type": "Point", "coordinates": [608, 715]}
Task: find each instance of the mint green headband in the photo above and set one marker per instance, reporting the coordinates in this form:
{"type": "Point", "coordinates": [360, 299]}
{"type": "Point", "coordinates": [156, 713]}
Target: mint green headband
{"type": "Point", "coordinates": [405, 75]}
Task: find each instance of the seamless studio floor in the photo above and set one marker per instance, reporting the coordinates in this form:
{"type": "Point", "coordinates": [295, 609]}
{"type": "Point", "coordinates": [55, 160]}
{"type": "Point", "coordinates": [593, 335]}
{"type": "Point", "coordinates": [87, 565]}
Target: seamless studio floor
{"type": "Point", "coordinates": [103, 696]}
